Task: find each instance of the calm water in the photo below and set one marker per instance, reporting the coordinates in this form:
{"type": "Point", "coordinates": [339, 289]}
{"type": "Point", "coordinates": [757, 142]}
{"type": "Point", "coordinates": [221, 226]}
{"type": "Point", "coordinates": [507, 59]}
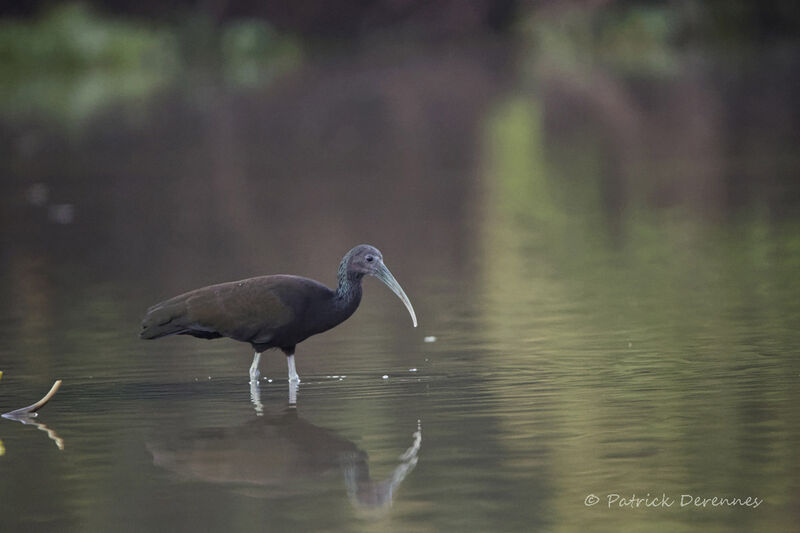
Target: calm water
{"type": "Point", "coordinates": [610, 278]}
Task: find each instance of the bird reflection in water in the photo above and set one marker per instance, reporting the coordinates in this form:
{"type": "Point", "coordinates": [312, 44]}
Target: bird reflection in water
{"type": "Point", "coordinates": [367, 494]}
{"type": "Point", "coordinates": [255, 396]}
{"type": "Point", "coordinates": [276, 455]}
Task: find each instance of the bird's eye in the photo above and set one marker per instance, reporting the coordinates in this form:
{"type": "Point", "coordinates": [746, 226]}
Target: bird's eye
{"type": "Point", "coordinates": [370, 259]}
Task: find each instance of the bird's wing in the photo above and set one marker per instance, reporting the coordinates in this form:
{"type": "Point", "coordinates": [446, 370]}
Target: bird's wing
{"type": "Point", "coordinates": [252, 310]}
{"type": "Point", "coordinates": [247, 310]}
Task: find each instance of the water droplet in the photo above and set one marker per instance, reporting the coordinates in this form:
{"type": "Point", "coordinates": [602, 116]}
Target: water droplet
{"type": "Point", "coordinates": [412, 369]}
{"type": "Point", "coordinates": [385, 376]}
{"type": "Point", "coordinates": [430, 338]}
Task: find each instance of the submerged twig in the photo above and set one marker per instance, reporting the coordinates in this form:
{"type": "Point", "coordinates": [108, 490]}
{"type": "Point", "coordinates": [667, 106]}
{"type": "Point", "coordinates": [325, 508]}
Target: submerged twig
{"type": "Point", "coordinates": [30, 411]}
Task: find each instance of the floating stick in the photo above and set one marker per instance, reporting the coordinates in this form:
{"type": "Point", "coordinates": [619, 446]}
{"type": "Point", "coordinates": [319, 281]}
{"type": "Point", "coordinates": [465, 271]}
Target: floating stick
{"type": "Point", "coordinates": [30, 411]}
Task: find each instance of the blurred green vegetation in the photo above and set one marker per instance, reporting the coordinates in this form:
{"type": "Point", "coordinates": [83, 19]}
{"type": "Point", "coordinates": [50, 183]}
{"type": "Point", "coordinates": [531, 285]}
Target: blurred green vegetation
{"type": "Point", "coordinates": [638, 38]}
{"type": "Point", "coordinates": [69, 38]}
{"type": "Point", "coordinates": [70, 61]}
{"type": "Point", "coordinates": [649, 38]}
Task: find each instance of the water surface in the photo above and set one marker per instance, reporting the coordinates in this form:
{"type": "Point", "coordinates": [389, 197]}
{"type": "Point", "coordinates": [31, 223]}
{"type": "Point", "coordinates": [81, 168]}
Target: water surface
{"type": "Point", "coordinates": [610, 278]}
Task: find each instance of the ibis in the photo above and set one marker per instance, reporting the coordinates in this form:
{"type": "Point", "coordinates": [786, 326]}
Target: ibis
{"type": "Point", "coordinates": [277, 311]}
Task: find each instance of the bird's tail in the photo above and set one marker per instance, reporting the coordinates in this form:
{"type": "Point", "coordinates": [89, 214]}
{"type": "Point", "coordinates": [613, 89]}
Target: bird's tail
{"type": "Point", "coordinates": [165, 318]}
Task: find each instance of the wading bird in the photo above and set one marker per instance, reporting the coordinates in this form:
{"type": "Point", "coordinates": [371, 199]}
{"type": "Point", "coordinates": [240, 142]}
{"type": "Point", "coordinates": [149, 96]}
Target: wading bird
{"type": "Point", "coordinates": [271, 311]}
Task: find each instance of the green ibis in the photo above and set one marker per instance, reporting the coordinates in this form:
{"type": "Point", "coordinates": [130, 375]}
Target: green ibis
{"type": "Point", "coordinates": [276, 311]}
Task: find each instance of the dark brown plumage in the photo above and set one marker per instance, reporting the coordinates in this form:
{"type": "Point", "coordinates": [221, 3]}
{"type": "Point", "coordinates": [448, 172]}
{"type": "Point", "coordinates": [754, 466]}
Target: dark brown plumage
{"type": "Point", "coordinates": [271, 311]}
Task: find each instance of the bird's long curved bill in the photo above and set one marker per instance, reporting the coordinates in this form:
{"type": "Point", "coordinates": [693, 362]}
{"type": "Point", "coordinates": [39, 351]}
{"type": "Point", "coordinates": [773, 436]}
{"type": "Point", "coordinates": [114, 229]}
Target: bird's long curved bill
{"type": "Point", "coordinates": [385, 276]}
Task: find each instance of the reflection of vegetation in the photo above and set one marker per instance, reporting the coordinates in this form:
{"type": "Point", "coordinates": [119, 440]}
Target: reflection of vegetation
{"type": "Point", "coordinates": [666, 337]}
{"type": "Point", "coordinates": [516, 138]}
{"type": "Point", "coordinates": [71, 61]}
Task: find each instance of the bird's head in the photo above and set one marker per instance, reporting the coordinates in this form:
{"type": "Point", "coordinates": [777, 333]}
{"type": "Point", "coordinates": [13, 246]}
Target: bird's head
{"type": "Point", "coordinates": [366, 260]}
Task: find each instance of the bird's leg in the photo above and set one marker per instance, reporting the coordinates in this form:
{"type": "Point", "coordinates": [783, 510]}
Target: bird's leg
{"type": "Point", "coordinates": [254, 373]}
{"type": "Point", "coordinates": [292, 371]}
{"type": "Point", "coordinates": [293, 393]}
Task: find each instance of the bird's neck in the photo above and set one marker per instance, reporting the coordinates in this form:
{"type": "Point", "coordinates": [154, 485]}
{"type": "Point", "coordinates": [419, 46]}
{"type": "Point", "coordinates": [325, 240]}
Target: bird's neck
{"type": "Point", "coordinates": [348, 289]}
{"type": "Point", "coordinates": [342, 304]}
